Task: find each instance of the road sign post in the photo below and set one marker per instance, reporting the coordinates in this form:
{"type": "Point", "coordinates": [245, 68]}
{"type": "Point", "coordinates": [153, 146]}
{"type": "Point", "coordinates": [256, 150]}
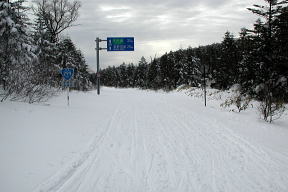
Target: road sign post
{"type": "Point", "coordinates": [205, 101]}
{"type": "Point", "coordinates": [97, 62]}
{"type": "Point", "coordinates": [113, 44]}
{"type": "Point", "coordinates": [120, 43]}
{"type": "Point", "coordinates": [67, 74]}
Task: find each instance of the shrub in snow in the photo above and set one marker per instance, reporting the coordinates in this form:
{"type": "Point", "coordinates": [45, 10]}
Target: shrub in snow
{"type": "Point", "coordinates": [272, 100]}
{"type": "Point", "coordinates": [271, 111]}
{"type": "Point", "coordinates": [241, 101]}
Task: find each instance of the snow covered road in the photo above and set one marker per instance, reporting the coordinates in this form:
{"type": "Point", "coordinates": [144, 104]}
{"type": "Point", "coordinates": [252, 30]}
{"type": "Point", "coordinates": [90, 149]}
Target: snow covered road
{"type": "Point", "coordinates": [158, 142]}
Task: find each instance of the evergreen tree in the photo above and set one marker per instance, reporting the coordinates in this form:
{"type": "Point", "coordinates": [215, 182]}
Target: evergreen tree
{"type": "Point", "coordinates": [281, 36]}
{"type": "Point", "coordinates": [190, 71]}
{"type": "Point", "coordinates": [268, 84]}
{"type": "Point", "coordinates": [124, 81]}
{"type": "Point", "coordinates": [141, 73]}
{"type": "Point", "coordinates": [47, 66]}
{"type": "Point", "coordinates": [52, 18]}
{"type": "Point", "coordinates": [83, 82]}
{"type": "Point", "coordinates": [16, 51]}
{"type": "Point", "coordinates": [266, 53]}
{"type": "Point", "coordinates": [167, 72]}
{"type": "Point", "coordinates": [153, 75]}
{"type": "Point", "coordinates": [70, 57]}
{"type": "Point", "coordinates": [131, 75]}
{"type": "Point", "coordinates": [226, 72]}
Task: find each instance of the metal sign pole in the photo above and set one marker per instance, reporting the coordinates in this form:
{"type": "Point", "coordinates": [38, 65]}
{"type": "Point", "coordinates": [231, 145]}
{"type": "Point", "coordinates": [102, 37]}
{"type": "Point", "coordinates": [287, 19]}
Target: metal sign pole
{"type": "Point", "coordinates": [113, 44]}
{"type": "Point", "coordinates": [97, 62]}
{"type": "Point", "coordinates": [205, 85]}
{"type": "Point", "coordinates": [67, 74]}
{"type": "Point", "coordinates": [68, 90]}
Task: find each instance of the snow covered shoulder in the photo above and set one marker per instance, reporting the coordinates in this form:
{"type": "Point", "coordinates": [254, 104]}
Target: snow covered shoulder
{"type": "Point", "coordinates": [133, 140]}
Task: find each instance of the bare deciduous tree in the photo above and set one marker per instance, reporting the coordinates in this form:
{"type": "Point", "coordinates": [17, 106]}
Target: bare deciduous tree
{"type": "Point", "coordinates": [57, 15]}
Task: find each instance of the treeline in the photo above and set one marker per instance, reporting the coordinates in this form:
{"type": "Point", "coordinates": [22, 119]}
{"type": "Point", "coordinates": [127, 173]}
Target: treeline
{"type": "Point", "coordinates": [257, 61]}
{"type": "Point", "coordinates": [33, 52]}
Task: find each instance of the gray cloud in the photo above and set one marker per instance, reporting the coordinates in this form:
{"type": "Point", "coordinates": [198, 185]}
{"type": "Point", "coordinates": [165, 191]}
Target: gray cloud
{"type": "Point", "coordinates": [158, 26]}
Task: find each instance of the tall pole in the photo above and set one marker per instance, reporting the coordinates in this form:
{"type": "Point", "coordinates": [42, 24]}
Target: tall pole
{"type": "Point", "coordinates": [98, 68]}
{"type": "Point", "coordinates": [68, 99]}
{"type": "Point", "coordinates": [205, 85]}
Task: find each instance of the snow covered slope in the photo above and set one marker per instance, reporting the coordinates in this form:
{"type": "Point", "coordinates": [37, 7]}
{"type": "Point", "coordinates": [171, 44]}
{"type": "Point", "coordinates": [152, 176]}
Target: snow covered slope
{"type": "Point", "coordinates": [132, 140]}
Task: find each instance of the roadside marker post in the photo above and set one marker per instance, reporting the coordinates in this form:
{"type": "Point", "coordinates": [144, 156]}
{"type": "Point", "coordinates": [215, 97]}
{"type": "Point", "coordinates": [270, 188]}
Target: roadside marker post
{"type": "Point", "coordinates": [113, 44]}
{"type": "Point", "coordinates": [205, 100]}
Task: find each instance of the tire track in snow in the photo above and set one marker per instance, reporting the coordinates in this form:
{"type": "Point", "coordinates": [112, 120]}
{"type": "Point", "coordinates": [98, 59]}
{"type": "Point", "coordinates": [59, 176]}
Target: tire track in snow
{"type": "Point", "coordinates": [157, 147]}
{"type": "Point", "coordinates": [171, 153]}
{"type": "Point", "coordinates": [78, 166]}
{"type": "Point", "coordinates": [189, 177]}
{"type": "Point", "coordinates": [116, 167]}
{"type": "Point", "coordinates": [101, 174]}
{"type": "Point", "coordinates": [246, 157]}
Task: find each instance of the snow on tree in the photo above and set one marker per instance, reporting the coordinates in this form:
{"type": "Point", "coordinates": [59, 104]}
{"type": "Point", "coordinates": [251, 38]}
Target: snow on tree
{"type": "Point", "coordinates": [70, 57]}
{"type": "Point", "coordinates": [153, 78]}
{"type": "Point", "coordinates": [265, 57]}
{"type": "Point", "coordinates": [16, 52]}
{"type": "Point", "coordinates": [141, 73]}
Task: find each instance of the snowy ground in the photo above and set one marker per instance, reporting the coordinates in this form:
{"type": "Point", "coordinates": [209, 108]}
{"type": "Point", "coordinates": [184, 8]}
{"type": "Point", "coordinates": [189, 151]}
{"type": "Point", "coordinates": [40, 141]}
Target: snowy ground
{"type": "Point", "coordinates": [131, 140]}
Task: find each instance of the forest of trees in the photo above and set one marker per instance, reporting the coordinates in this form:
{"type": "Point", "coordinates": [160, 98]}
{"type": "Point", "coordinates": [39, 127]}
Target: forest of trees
{"type": "Point", "coordinates": [257, 62]}
{"type": "Point", "coordinates": [33, 52]}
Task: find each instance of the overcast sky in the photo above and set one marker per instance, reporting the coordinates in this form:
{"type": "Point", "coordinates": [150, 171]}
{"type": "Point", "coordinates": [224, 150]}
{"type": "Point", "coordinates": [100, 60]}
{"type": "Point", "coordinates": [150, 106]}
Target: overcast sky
{"type": "Point", "coordinates": [158, 26]}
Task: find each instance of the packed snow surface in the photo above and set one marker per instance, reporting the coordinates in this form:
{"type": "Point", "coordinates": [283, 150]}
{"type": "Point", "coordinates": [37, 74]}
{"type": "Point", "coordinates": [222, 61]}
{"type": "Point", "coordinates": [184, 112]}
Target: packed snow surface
{"type": "Point", "coordinates": [128, 140]}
